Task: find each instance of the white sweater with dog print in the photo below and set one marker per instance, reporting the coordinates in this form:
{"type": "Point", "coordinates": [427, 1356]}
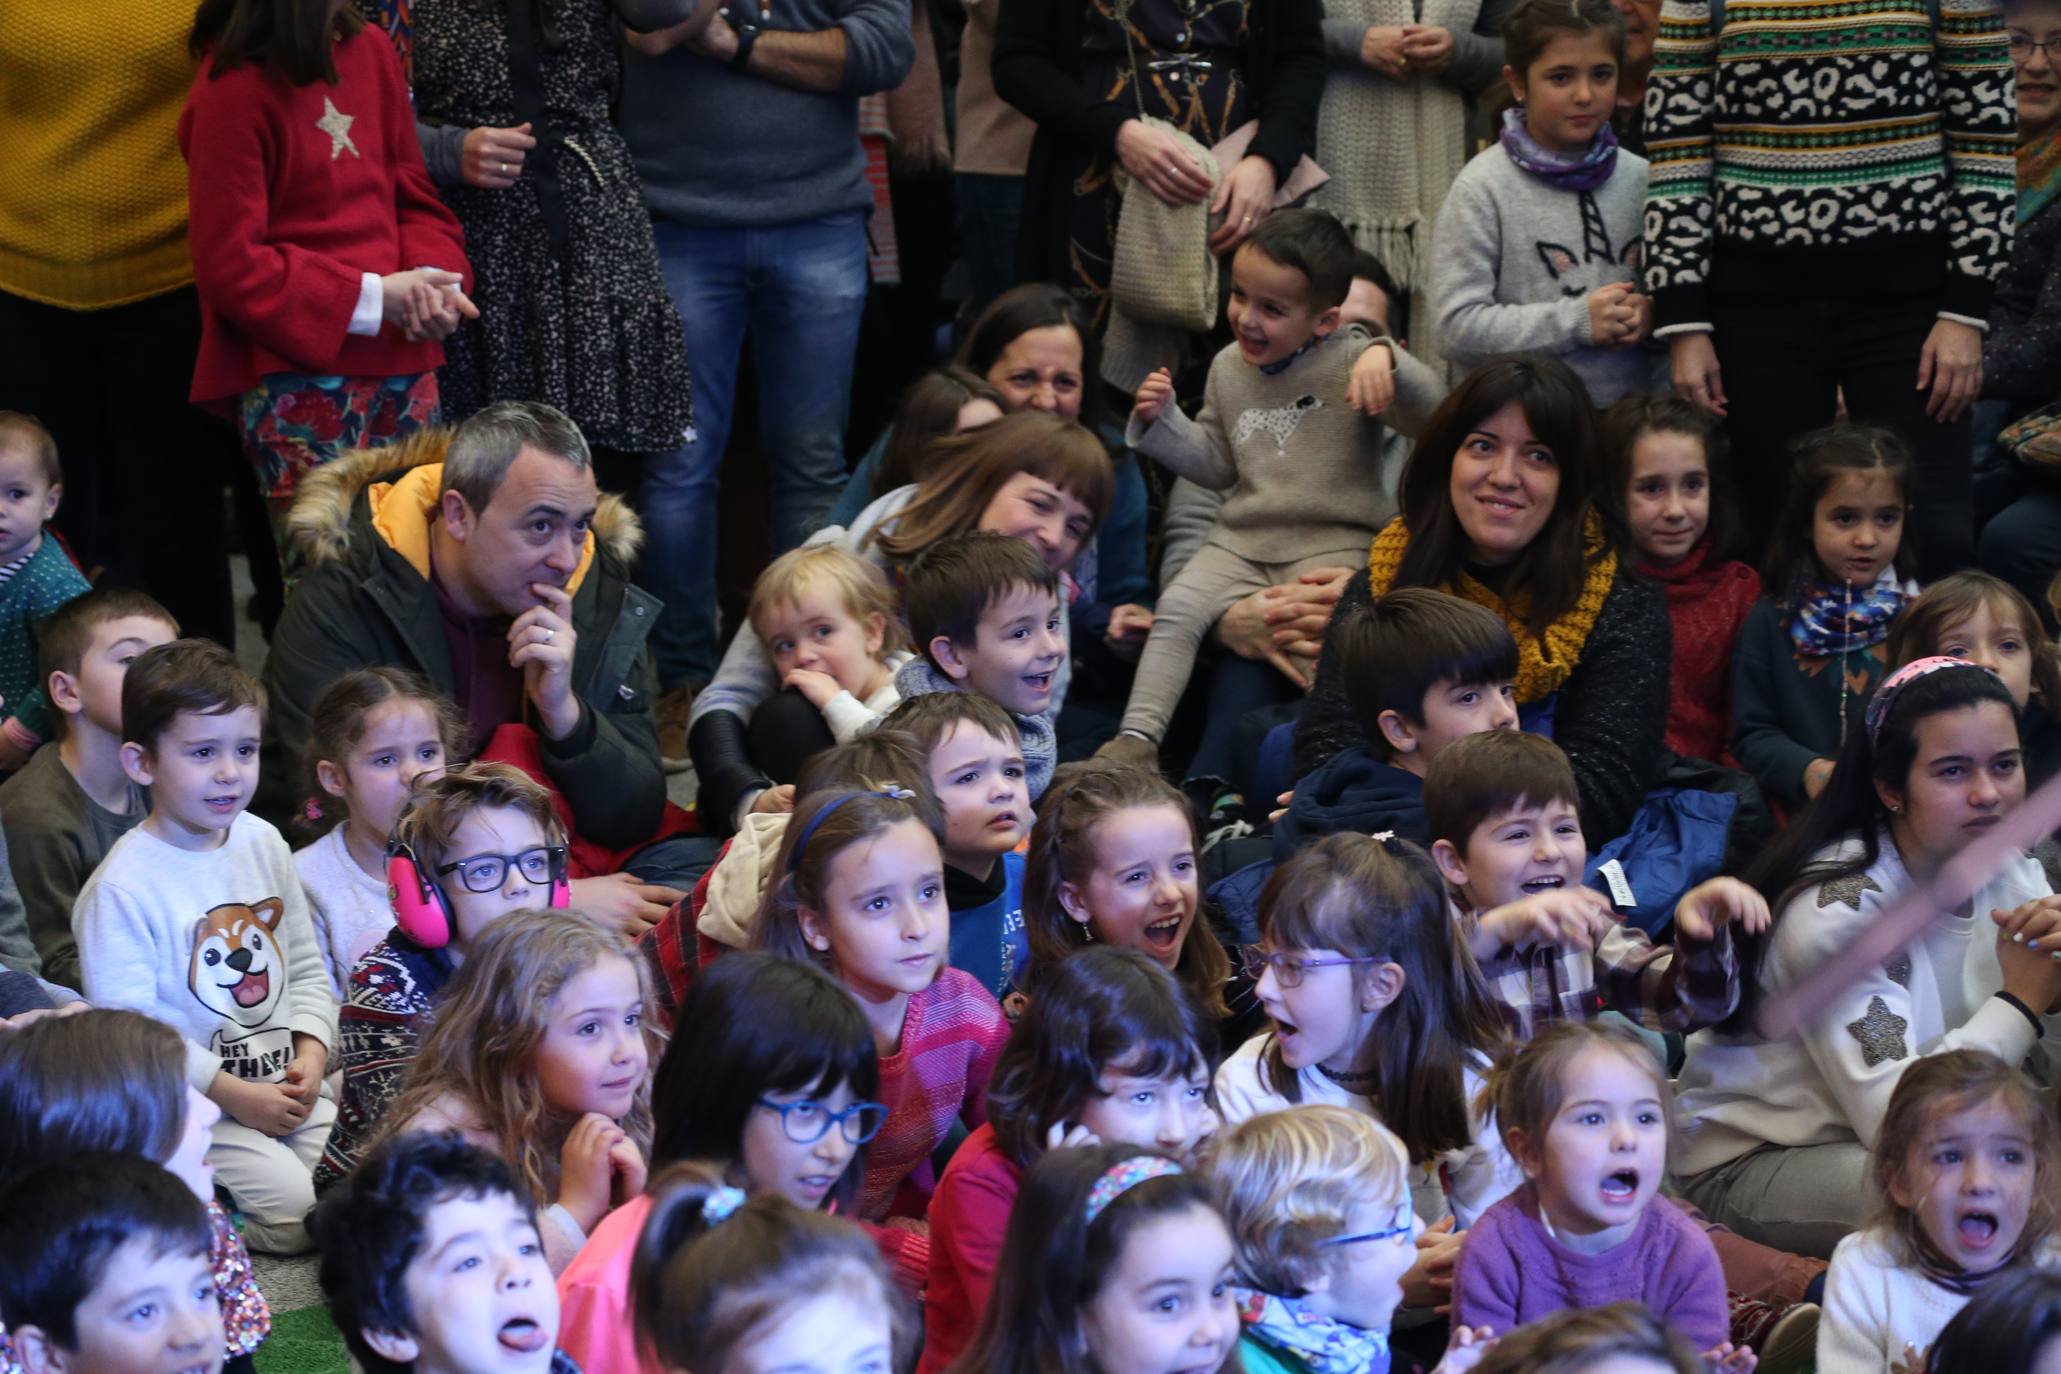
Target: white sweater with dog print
{"type": "Point", "coordinates": [216, 944]}
{"type": "Point", "coordinates": [1516, 260]}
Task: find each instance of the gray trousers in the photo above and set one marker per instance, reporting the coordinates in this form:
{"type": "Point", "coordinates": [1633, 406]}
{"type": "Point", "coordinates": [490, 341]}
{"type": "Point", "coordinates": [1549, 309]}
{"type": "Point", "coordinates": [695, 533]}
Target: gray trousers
{"type": "Point", "coordinates": [1214, 580]}
{"type": "Point", "coordinates": [1802, 1199]}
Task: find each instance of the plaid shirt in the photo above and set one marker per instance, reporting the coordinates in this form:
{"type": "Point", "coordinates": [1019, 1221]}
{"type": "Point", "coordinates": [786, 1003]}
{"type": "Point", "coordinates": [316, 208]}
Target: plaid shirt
{"type": "Point", "coordinates": [1680, 987]}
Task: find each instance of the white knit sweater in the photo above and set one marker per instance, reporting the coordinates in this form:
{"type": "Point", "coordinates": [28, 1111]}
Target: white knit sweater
{"type": "Point", "coordinates": [1876, 1306]}
{"type": "Point", "coordinates": [1831, 1081]}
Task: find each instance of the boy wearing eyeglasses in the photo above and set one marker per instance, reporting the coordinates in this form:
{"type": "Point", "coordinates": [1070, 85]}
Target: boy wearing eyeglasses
{"type": "Point", "coordinates": [1317, 1199]}
{"type": "Point", "coordinates": [197, 918]}
{"type": "Point", "coordinates": [486, 844]}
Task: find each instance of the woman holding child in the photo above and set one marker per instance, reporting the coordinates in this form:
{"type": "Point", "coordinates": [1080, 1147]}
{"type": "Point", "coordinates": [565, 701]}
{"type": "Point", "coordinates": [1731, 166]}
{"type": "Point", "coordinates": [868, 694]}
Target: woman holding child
{"type": "Point", "coordinates": [1499, 509]}
{"type": "Point", "coordinates": [1032, 475]}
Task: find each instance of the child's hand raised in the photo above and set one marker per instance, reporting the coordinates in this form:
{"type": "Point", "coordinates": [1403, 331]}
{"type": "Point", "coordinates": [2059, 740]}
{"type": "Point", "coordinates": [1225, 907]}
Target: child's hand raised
{"type": "Point", "coordinates": [1371, 388]}
{"type": "Point", "coordinates": [1571, 917]}
{"type": "Point", "coordinates": [1155, 393]}
{"type": "Point", "coordinates": [1710, 906]}
{"type": "Point", "coordinates": [1726, 1358]}
{"type": "Point", "coordinates": [587, 1168]}
{"type": "Point", "coordinates": [820, 688]}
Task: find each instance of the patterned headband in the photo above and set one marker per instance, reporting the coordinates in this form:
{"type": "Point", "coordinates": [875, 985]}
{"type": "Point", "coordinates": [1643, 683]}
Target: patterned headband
{"type": "Point", "coordinates": [1121, 1178]}
{"type": "Point", "coordinates": [1893, 686]}
{"type": "Point", "coordinates": [720, 1203]}
{"type": "Point", "coordinates": [894, 791]}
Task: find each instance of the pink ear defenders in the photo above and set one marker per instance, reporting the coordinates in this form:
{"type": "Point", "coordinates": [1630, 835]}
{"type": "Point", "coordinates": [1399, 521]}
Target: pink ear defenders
{"type": "Point", "coordinates": [418, 898]}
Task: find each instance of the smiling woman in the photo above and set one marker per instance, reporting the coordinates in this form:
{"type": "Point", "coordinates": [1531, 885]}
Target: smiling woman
{"type": "Point", "coordinates": [1498, 508]}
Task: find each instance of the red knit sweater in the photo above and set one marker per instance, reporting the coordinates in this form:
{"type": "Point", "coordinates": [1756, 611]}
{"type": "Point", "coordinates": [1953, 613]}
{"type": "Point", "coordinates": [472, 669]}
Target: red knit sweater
{"type": "Point", "coordinates": [296, 192]}
{"type": "Point", "coordinates": [1707, 604]}
{"type": "Point", "coordinates": [951, 1037]}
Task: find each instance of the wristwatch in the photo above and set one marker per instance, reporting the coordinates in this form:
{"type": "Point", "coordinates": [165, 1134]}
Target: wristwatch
{"type": "Point", "coordinates": [747, 31]}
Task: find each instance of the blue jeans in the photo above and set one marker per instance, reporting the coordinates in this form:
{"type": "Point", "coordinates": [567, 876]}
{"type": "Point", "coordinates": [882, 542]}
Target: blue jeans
{"type": "Point", "coordinates": [799, 290]}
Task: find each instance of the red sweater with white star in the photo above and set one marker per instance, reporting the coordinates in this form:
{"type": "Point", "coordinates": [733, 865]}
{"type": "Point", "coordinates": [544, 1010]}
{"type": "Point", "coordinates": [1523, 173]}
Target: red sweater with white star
{"type": "Point", "coordinates": [295, 192]}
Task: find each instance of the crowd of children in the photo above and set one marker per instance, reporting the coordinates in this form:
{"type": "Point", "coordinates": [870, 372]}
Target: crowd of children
{"type": "Point", "coordinates": [1011, 1030]}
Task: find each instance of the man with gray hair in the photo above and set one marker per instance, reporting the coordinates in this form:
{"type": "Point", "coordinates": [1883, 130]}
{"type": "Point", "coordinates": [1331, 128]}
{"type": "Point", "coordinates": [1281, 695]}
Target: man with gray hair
{"type": "Point", "coordinates": [485, 559]}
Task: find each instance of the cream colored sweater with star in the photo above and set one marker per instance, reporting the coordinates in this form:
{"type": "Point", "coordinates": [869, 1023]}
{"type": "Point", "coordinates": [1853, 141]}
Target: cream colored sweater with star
{"type": "Point", "coordinates": [1831, 1081]}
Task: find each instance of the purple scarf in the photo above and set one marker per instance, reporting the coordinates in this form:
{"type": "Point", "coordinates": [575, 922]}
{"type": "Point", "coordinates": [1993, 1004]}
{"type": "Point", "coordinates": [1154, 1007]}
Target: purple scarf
{"type": "Point", "coordinates": [1583, 173]}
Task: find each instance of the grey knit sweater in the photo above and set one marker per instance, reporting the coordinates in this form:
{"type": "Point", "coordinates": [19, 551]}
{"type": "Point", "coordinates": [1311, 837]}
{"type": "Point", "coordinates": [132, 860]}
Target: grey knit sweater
{"type": "Point", "coordinates": [1517, 258]}
{"type": "Point", "coordinates": [1304, 469]}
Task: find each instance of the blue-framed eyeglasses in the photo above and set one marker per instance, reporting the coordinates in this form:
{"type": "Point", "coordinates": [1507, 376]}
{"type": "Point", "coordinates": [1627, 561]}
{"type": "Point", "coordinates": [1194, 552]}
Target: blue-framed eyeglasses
{"type": "Point", "coordinates": [1385, 1233]}
{"type": "Point", "coordinates": [808, 1121]}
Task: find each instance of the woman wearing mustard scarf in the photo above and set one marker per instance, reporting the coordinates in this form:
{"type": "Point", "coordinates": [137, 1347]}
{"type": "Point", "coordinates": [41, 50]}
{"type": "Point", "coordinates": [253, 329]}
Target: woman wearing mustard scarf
{"type": "Point", "coordinates": [1497, 509]}
{"type": "Point", "coordinates": [2021, 355]}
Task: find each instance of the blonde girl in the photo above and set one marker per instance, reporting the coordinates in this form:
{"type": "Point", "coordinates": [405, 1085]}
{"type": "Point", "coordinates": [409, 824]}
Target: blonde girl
{"type": "Point", "coordinates": [1986, 620]}
{"type": "Point", "coordinates": [541, 1053]}
{"type": "Point", "coordinates": [374, 736]}
{"type": "Point", "coordinates": [859, 889]}
{"type": "Point", "coordinates": [725, 1284]}
{"type": "Point", "coordinates": [1114, 860]}
{"type": "Point", "coordinates": [1967, 1189]}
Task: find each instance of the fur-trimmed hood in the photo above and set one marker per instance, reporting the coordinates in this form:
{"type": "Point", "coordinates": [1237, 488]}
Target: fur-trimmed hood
{"type": "Point", "coordinates": [321, 523]}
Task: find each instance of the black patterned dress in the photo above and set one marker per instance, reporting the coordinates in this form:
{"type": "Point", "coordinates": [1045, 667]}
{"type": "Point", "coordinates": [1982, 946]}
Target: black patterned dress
{"type": "Point", "coordinates": [1189, 72]}
{"type": "Point", "coordinates": [573, 310]}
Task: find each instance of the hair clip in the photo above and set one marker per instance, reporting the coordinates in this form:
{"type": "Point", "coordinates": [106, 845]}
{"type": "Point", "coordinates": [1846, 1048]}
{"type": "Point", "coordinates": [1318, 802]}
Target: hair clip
{"type": "Point", "coordinates": [312, 811]}
{"type": "Point", "coordinates": [1121, 1178]}
{"type": "Point", "coordinates": [1893, 685]}
{"type": "Point", "coordinates": [720, 1203]}
{"type": "Point", "coordinates": [896, 792]}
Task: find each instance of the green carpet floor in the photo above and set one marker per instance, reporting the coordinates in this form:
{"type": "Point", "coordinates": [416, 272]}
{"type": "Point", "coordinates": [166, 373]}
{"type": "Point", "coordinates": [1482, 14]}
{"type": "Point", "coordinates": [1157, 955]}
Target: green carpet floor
{"type": "Point", "coordinates": [303, 1342]}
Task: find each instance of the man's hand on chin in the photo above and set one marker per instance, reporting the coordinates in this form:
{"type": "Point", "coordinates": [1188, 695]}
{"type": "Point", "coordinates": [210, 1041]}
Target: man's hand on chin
{"type": "Point", "coordinates": [541, 642]}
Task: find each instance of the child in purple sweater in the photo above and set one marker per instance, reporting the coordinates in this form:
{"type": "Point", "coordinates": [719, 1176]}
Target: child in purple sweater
{"type": "Point", "coordinates": [1584, 1112]}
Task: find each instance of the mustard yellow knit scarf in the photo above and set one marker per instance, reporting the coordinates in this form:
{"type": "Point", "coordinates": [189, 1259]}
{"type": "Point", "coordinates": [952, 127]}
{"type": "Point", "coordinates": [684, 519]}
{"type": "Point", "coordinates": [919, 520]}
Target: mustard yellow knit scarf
{"type": "Point", "coordinates": [1543, 661]}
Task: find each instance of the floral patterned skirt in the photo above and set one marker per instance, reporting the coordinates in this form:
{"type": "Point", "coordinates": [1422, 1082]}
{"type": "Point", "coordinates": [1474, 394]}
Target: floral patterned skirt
{"type": "Point", "coordinates": [292, 423]}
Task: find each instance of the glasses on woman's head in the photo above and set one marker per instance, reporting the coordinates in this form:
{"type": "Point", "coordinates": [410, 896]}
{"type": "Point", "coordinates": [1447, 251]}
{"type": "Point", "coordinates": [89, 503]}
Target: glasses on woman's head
{"type": "Point", "coordinates": [487, 872]}
{"type": "Point", "coordinates": [808, 1121]}
{"type": "Point", "coordinates": [2024, 45]}
{"type": "Point", "coordinates": [1289, 969]}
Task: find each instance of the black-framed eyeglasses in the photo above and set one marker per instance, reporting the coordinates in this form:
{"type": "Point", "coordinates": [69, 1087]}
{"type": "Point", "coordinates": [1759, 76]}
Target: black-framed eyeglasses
{"type": "Point", "coordinates": [2023, 45]}
{"type": "Point", "coordinates": [808, 1121]}
{"type": "Point", "coordinates": [486, 872]}
{"type": "Point", "coordinates": [1289, 969]}
{"type": "Point", "coordinates": [1385, 1233]}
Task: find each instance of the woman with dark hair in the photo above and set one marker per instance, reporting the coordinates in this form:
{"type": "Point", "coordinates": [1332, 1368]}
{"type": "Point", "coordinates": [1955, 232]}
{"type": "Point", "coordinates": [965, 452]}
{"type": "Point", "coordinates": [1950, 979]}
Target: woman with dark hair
{"type": "Point", "coordinates": [1776, 1134]}
{"type": "Point", "coordinates": [1091, 72]}
{"type": "Point", "coordinates": [1031, 475]}
{"type": "Point", "coordinates": [1501, 507]}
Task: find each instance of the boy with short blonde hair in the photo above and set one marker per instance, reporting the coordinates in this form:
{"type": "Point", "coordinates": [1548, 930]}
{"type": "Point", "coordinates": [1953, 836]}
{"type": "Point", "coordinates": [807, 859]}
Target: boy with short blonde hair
{"type": "Point", "coordinates": [1317, 1199]}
